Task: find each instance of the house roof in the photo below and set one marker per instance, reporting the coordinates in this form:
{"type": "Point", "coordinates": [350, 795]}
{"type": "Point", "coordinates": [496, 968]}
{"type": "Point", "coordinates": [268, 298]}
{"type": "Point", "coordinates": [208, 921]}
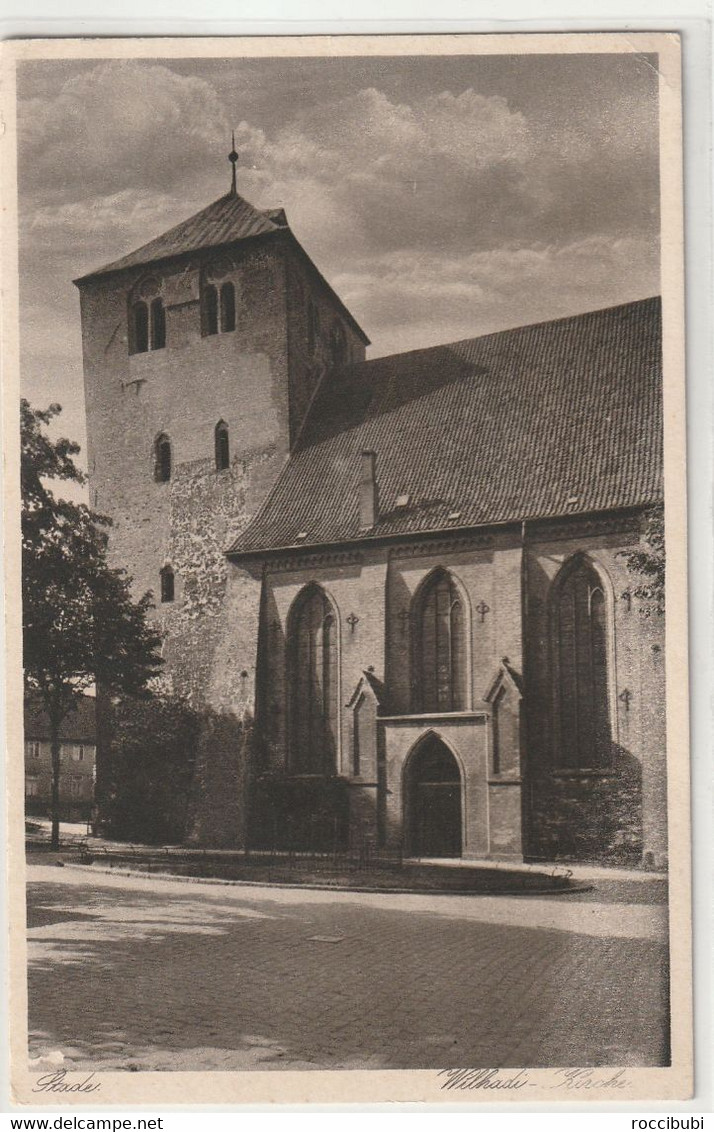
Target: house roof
{"type": "Point", "coordinates": [557, 418]}
{"type": "Point", "coordinates": [228, 219]}
{"type": "Point", "coordinates": [77, 727]}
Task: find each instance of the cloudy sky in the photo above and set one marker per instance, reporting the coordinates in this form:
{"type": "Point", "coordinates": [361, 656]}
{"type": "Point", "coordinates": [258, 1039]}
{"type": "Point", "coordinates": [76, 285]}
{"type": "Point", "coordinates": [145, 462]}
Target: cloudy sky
{"type": "Point", "coordinates": [442, 197]}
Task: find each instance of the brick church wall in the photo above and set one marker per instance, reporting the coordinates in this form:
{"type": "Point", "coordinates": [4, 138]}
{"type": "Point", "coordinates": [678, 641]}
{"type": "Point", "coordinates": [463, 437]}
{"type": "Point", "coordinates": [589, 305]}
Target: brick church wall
{"type": "Point", "coordinates": [598, 815]}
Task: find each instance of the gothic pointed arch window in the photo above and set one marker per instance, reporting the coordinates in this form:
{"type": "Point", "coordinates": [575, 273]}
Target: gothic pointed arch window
{"type": "Point", "coordinates": [440, 646]}
{"type": "Point", "coordinates": [580, 667]}
{"type": "Point", "coordinates": [162, 458]}
{"type": "Point", "coordinates": [313, 683]}
{"type": "Point", "coordinates": [222, 446]}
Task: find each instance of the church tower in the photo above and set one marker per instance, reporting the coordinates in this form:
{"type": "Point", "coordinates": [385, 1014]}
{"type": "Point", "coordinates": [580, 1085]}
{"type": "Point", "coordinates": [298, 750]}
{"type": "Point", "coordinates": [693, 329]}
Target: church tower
{"type": "Point", "coordinates": [202, 352]}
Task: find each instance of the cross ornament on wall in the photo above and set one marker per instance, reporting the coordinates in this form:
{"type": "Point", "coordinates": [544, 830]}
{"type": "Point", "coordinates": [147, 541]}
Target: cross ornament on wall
{"type": "Point", "coordinates": [625, 697]}
{"type": "Point", "coordinates": [404, 618]}
{"type": "Point", "coordinates": [352, 621]}
{"type": "Point", "coordinates": [482, 609]}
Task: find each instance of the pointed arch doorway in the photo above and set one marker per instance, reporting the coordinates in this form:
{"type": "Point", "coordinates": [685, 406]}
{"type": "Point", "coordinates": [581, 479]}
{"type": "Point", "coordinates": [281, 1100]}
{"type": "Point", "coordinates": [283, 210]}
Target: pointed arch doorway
{"type": "Point", "coordinates": [433, 800]}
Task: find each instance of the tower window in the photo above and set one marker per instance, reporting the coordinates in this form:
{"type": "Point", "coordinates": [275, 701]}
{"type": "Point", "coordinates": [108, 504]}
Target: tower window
{"type": "Point", "coordinates": [140, 327]}
{"type": "Point", "coordinates": [162, 461]}
{"type": "Point", "coordinates": [147, 328]}
{"type": "Point", "coordinates": [223, 456]}
{"type": "Point", "coordinates": [167, 584]}
{"type": "Point", "coordinates": [158, 325]}
{"type": "Point", "coordinates": [210, 310]}
{"type": "Point", "coordinates": [338, 345]}
{"type": "Point", "coordinates": [228, 307]}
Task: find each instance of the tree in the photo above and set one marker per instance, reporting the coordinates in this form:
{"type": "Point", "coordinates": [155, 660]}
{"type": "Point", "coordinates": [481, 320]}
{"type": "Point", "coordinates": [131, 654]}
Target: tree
{"type": "Point", "coordinates": [648, 564]}
{"type": "Point", "coordinates": [153, 749]}
{"type": "Point", "coordinates": [81, 626]}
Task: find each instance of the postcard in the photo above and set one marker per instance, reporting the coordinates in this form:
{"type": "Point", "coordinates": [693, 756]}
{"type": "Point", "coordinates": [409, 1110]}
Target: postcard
{"type": "Point", "coordinates": [344, 439]}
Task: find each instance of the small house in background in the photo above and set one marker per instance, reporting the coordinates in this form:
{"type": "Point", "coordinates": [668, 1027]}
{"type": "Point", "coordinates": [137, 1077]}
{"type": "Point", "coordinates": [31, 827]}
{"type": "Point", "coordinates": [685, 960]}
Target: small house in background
{"type": "Point", "coordinates": [77, 761]}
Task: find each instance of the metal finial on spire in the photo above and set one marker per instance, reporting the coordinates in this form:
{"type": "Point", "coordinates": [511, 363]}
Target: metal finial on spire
{"type": "Point", "coordinates": [233, 158]}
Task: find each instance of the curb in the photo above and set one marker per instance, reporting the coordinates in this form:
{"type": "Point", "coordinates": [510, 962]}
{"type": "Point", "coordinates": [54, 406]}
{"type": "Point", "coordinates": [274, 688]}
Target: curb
{"type": "Point", "coordinates": [142, 875]}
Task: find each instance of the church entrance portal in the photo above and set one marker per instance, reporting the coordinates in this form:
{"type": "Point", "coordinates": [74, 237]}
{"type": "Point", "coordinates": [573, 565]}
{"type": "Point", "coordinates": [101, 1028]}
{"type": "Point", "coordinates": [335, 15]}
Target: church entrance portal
{"type": "Point", "coordinates": [433, 801]}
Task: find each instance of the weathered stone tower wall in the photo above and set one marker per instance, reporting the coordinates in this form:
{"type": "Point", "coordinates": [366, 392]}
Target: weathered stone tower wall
{"type": "Point", "coordinates": [257, 380]}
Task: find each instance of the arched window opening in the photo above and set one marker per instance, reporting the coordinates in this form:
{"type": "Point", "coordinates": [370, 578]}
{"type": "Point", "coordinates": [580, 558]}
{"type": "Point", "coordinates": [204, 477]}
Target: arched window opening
{"type": "Point", "coordinates": [228, 307]}
{"type": "Point", "coordinates": [158, 325]}
{"type": "Point", "coordinates": [162, 459]}
{"type": "Point", "coordinates": [440, 654]}
{"type": "Point", "coordinates": [312, 647]}
{"type": "Point", "coordinates": [338, 345]}
{"type": "Point", "coordinates": [140, 327]}
{"type": "Point", "coordinates": [210, 309]}
{"type": "Point", "coordinates": [223, 456]}
{"type": "Point", "coordinates": [167, 584]}
{"type": "Point", "coordinates": [580, 669]}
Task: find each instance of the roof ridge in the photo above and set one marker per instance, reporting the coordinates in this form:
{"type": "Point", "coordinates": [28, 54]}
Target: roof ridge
{"type": "Point", "coordinates": [504, 330]}
{"type": "Point", "coordinates": [137, 256]}
{"type": "Point", "coordinates": [564, 419]}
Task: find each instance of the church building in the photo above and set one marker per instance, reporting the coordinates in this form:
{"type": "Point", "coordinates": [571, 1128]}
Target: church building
{"type": "Point", "coordinates": [410, 572]}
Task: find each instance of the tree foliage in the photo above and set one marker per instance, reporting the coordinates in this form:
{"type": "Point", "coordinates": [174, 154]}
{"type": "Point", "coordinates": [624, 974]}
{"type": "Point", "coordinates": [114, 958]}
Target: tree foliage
{"type": "Point", "coordinates": [153, 748]}
{"type": "Point", "coordinates": [648, 564]}
{"type": "Point", "coordinates": [81, 626]}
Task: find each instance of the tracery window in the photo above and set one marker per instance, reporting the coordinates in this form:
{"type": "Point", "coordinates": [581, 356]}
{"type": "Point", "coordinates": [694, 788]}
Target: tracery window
{"type": "Point", "coordinates": [580, 668]}
{"type": "Point", "coordinates": [313, 668]}
{"type": "Point", "coordinates": [440, 647]}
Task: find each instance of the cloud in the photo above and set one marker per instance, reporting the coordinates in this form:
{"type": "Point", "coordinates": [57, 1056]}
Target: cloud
{"type": "Point", "coordinates": [409, 300]}
{"type": "Point", "coordinates": [123, 124]}
{"type": "Point", "coordinates": [437, 211]}
{"type": "Point", "coordinates": [451, 170]}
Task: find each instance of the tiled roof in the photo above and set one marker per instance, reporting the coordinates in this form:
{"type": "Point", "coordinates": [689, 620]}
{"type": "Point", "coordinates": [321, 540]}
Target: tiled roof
{"type": "Point", "coordinates": [78, 727]}
{"type": "Point", "coordinates": [227, 219]}
{"type": "Point", "coordinates": [558, 418]}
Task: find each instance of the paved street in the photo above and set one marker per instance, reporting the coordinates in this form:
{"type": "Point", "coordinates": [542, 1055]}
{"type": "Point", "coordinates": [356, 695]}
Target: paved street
{"type": "Point", "coordinates": [134, 973]}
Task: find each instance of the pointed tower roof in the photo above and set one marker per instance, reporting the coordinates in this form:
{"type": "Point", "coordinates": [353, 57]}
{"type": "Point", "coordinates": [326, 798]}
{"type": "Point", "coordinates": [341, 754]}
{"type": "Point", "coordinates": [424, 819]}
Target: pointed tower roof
{"type": "Point", "coordinates": [228, 219]}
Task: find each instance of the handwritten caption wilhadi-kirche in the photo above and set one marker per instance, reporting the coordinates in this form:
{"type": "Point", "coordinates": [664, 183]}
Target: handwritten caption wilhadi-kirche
{"type": "Point", "coordinates": [568, 1080]}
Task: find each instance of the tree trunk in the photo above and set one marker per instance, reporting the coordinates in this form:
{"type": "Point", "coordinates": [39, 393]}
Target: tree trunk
{"type": "Point", "coordinates": [103, 766]}
{"type": "Point", "coordinates": [56, 770]}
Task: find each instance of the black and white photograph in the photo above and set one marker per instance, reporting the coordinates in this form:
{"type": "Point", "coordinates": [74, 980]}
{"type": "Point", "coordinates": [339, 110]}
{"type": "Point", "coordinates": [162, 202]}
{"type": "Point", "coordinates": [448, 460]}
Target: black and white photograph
{"type": "Point", "coordinates": [349, 452]}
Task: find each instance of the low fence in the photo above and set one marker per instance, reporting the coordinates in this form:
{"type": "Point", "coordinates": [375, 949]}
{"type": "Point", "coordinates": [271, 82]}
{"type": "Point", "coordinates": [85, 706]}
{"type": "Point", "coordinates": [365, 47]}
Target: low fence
{"type": "Point", "coordinates": [362, 857]}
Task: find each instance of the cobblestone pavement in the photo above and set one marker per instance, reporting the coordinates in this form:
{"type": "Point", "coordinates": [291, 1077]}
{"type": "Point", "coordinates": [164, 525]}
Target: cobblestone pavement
{"type": "Point", "coordinates": [138, 973]}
